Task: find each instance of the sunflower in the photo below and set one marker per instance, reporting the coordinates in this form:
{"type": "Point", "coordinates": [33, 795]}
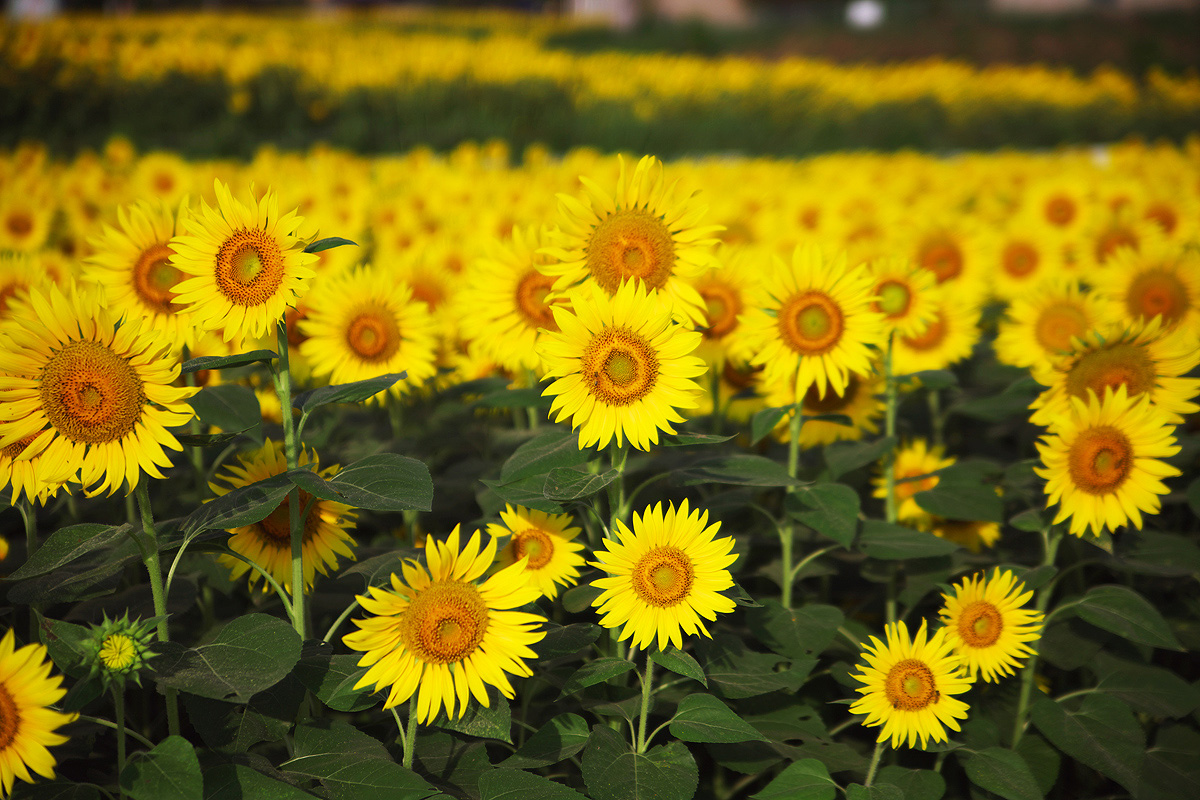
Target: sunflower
{"type": "Point", "coordinates": [96, 398]}
{"type": "Point", "coordinates": [1043, 324]}
{"type": "Point", "coordinates": [243, 266]}
{"type": "Point", "coordinates": [969, 533]}
{"type": "Point", "coordinates": [643, 234]}
{"type": "Point", "coordinates": [440, 636]}
{"type": "Point", "coordinates": [727, 292]}
{"type": "Point", "coordinates": [268, 543]}
{"type": "Point", "coordinates": [133, 265]}
{"type": "Point", "coordinates": [860, 401]}
{"type": "Point", "coordinates": [22, 473]}
{"type": "Point", "coordinates": [27, 723]}
{"type": "Point", "coordinates": [1102, 462]}
{"type": "Point", "coordinates": [26, 214]}
{"type": "Point", "coordinates": [1142, 358]}
{"type": "Point", "coordinates": [664, 575]}
{"type": "Point", "coordinates": [813, 324]}
{"type": "Point", "coordinates": [908, 686]}
{"type": "Point", "coordinates": [18, 272]}
{"type": "Point", "coordinates": [1021, 256]}
{"type": "Point", "coordinates": [365, 324]}
{"type": "Point", "coordinates": [949, 339]}
{"type": "Point", "coordinates": [1160, 280]}
{"type": "Point", "coordinates": [621, 364]}
{"type": "Point", "coordinates": [913, 467]}
{"type": "Point", "coordinates": [905, 295]}
{"type": "Point", "coordinates": [986, 625]}
{"type": "Point", "coordinates": [546, 541]}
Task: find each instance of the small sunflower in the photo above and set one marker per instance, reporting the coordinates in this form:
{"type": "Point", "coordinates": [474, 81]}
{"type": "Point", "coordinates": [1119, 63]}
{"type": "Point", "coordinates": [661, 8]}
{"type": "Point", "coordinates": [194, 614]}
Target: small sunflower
{"type": "Point", "coordinates": [27, 723]}
{"type": "Point", "coordinates": [1043, 324]}
{"type": "Point", "coordinates": [972, 534]}
{"type": "Point", "coordinates": [438, 635]}
{"type": "Point", "coordinates": [664, 576]}
{"type": "Point", "coordinates": [949, 339]}
{"type": "Point", "coordinates": [860, 401]}
{"type": "Point", "coordinates": [268, 542]}
{"type": "Point", "coordinates": [905, 295]}
{"type": "Point", "coordinates": [908, 686]}
{"type": "Point", "coordinates": [243, 266]}
{"type": "Point", "coordinates": [913, 467]}
{"type": "Point", "coordinates": [727, 292]}
{"type": "Point", "coordinates": [1162, 279]}
{"type": "Point", "coordinates": [621, 366]}
{"type": "Point", "coordinates": [96, 398]}
{"type": "Point", "coordinates": [1102, 462]}
{"type": "Point", "coordinates": [644, 234]}
{"type": "Point", "coordinates": [545, 540]}
{"type": "Point", "coordinates": [986, 625]}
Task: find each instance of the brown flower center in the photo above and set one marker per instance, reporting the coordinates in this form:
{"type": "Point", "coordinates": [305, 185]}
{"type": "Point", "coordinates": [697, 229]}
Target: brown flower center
{"type": "Point", "coordinates": [933, 336]}
{"type": "Point", "coordinates": [810, 323]}
{"type": "Point", "coordinates": [663, 577]}
{"type": "Point", "coordinates": [90, 394]}
{"type": "Point", "coordinates": [445, 623]}
{"type": "Point", "coordinates": [1157, 292]}
{"type": "Point", "coordinates": [1060, 210]}
{"type": "Point", "coordinates": [534, 543]}
{"type": "Point", "coordinates": [249, 267]}
{"type": "Point", "coordinates": [722, 306]}
{"type": "Point", "coordinates": [1100, 459]}
{"type": "Point", "coordinates": [1121, 364]}
{"type": "Point", "coordinates": [1112, 240]}
{"type": "Point", "coordinates": [1058, 324]}
{"type": "Point", "coordinates": [276, 530]}
{"type": "Point", "coordinates": [373, 334]}
{"type": "Point", "coordinates": [530, 298]}
{"type": "Point", "coordinates": [19, 224]}
{"type": "Point", "coordinates": [909, 686]}
{"type": "Point", "coordinates": [10, 719]}
{"type": "Point", "coordinates": [631, 243]}
{"type": "Point", "coordinates": [154, 277]}
{"type": "Point", "coordinates": [980, 624]}
{"type": "Point", "coordinates": [619, 367]}
{"type": "Point", "coordinates": [1164, 215]}
{"type": "Point", "coordinates": [942, 256]}
{"type": "Point", "coordinates": [1019, 259]}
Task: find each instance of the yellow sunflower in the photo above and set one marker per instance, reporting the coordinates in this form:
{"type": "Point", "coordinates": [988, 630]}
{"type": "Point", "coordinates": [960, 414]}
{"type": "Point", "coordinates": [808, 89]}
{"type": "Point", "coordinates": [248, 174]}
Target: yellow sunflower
{"type": "Point", "coordinates": [986, 625]}
{"type": "Point", "coordinates": [912, 467]}
{"type": "Point", "coordinates": [133, 265]}
{"type": "Point", "coordinates": [905, 294]}
{"type": "Point", "coordinates": [365, 324]}
{"type": "Point", "coordinates": [644, 234]}
{"type": "Point", "coordinates": [1162, 279]}
{"type": "Point", "coordinates": [860, 401]}
{"type": "Point", "coordinates": [27, 723]}
{"type": "Point", "coordinates": [621, 364]}
{"type": "Point", "coordinates": [243, 266]}
{"type": "Point", "coordinates": [665, 576]}
{"type": "Point", "coordinates": [23, 472]}
{"type": "Point", "coordinates": [440, 636]}
{"type": "Point", "coordinates": [1042, 325]}
{"type": "Point", "coordinates": [971, 534]}
{"type": "Point", "coordinates": [1142, 358]}
{"type": "Point", "coordinates": [726, 293]}
{"type": "Point", "coordinates": [18, 272]}
{"type": "Point", "coordinates": [1021, 256]}
{"type": "Point", "coordinates": [908, 686]}
{"type": "Point", "coordinates": [27, 212]}
{"type": "Point", "coordinates": [96, 397]}
{"type": "Point", "coordinates": [268, 543]}
{"type": "Point", "coordinates": [1102, 462]}
{"type": "Point", "coordinates": [813, 324]}
{"type": "Point", "coordinates": [546, 541]}
{"type": "Point", "coordinates": [949, 339]}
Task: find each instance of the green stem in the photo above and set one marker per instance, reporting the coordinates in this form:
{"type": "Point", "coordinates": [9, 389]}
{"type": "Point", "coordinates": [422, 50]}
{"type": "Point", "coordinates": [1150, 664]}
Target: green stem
{"type": "Point", "coordinates": [29, 517]}
{"type": "Point", "coordinates": [616, 490]}
{"type": "Point", "coordinates": [119, 712]}
{"type": "Point", "coordinates": [195, 453]}
{"type": "Point", "coordinates": [937, 423]}
{"type": "Point", "coordinates": [337, 623]}
{"type": "Point", "coordinates": [154, 567]}
{"type": "Point", "coordinates": [132, 734]}
{"type": "Point", "coordinates": [532, 411]}
{"type": "Point", "coordinates": [647, 683]}
{"type": "Point", "coordinates": [283, 387]}
{"type": "Point", "coordinates": [874, 764]}
{"type": "Point", "coordinates": [787, 533]}
{"type": "Point", "coordinates": [269, 578]}
{"type": "Point", "coordinates": [889, 470]}
{"type": "Point", "coordinates": [410, 733]}
{"type": "Point", "coordinates": [714, 388]}
{"type": "Point", "coordinates": [1051, 538]}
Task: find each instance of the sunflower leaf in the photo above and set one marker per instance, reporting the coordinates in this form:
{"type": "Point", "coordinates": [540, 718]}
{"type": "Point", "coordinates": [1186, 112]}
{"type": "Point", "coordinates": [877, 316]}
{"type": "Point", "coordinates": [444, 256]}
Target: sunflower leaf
{"type": "Point", "coordinates": [385, 482]}
{"type": "Point", "coordinates": [611, 771]}
{"type": "Point", "coordinates": [889, 542]}
{"type": "Point", "coordinates": [67, 544]}
{"type": "Point", "coordinates": [806, 779]}
{"type": "Point", "coordinates": [238, 781]}
{"type": "Point", "coordinates": [1102, 734]}
{"type": "Point", "coordinates": [251, 653]}
{"type": "Point", "coordinates": [244, 505]}
{"type": "Point", "coordinates": [491, 722]}
{"type": "Point", "coordinates": [229, 407]}
{"type": "Point", "coordinates": [680, 663]}
{"type": "Point", "coordinates": [328, 243]}
{"type": "Point", "coordinates": [741, 469]}
{"type": "Point", "coordinates": [563, 737]}
{"type": "Point", "coordinates": [916, 784]}
{"type": "Point", "coordinates": [593, 672]}
{"type": "Point", "coordinates": [1001, 772]}
{"type": "Point", "coordinates": [765, 421]}
{"type": "Point", "coordinates": [564, 484]}
{"type": "Point", "coordinates": [703, 718]}
{"type": "Point", "coordinates": [352, 765]}
{"type": "Point", "coordinates": [354, 392]}
{"type": "Point", "coordinates": [1121, 610]}
{"type": "Point", "coordinates": [171, 771]}
{"type": "Point", "coordinates": [227, 362]}
{"type": "Point", "coordinates": [548, 450]}
{"type": "Point", "coordinates": [332, 678]}
{"type": "Point", "coordinates": [843, 457]}
{"type": "Point", "coordinates": [516, 784]}
{"type": "Point", "coordinates": [830, 509]}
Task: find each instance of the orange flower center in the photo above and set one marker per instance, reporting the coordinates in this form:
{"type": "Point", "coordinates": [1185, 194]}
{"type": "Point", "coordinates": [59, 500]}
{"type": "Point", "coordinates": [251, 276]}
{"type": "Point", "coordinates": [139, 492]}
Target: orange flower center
{"type": "Point", "coordinates": [154, 277]}
{"type": "Point", "coordinates": [723, 304]}
{"type": "Point", "coordinates": [895, 298]}
{"type": "Point", "coordinates": [619, 367]}
{"type": "Point", "coordinates": [909, 686]}
{"type": "Point", "coordinates": [90, 394]}
{"type": "Point", "coordinates": [445, 623]}
{"type": "Point", "coordinates": [1060, 210]}
{"type": "Point", "coordinates": [534, 543]}
{"type": "Point", "coordinates": [941, 256]}
{"type": "Point", "coordinates": [631, 243]}
{"type": "Point", "coordinates": [276, 529]}
{"type": "Point", "coordinates": [1019, 259]}
{"type": "Point", "coordinates": [811, 323]}
{"type": "Point", "coordinates": [1164, 215]}
{"type": "Point", "coordinates": [1112, 240]}
{"type": "Point", "coordinates": [1157, 292]}
{"type": "Point", "coordinates": [428, 292]}
{"type": "Point", "coordinates": [980, 624]}
{"type": "Point", "coordinates": [1121, 364]}
{"type": "Point", "coordinates": [19, 224]}
{"type": "Point", "coordinates": [1100, 459]}
{"type": "Point", "coordinates": [739, 377]}
{"type": "Point", "coordinates": [933, 336]}
{"type": "Point", "coordinates": [11, 451]}
{"type": "Point", "coordinates": [1057, 324]}
{"type": "Point", "coordinates": [249, 267]}
{"type": "Point", "coordinates": [10, 719]}
{"type": "Point", "coordinates": [530, 298]}
{"type": "Point", "coordinates": [663, 577]}
{"type": "Point", "coordinates": [373, 333]}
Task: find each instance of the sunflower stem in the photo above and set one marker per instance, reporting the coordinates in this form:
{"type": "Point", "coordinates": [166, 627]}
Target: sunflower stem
{"type": "Point", "coordinates": [154, 567]}
{"type": "Point", "coordinates": [647, 683]}
{"type": "Point", "coordinates": [889, 469]}
{"type": "Point", "coordinates": [714, 388]}
{"type": "Point", "coordinates": [532, 411]}
{"type": "Point", "coordinates": [410, 733]}
{"type": "Point", "coordinates": [787, 533]}
{"type": "Point", "coordinates": [616, 490]}
{"type": "Point", "coordinates": [937, 423]}
{"type": "Point", "coordinates": [874, 764]}
{"type": "Point", "coordinates": [195, 454]}
{"type": "Point", "coordinates": [337, 623]}
{"type": "Point", "coordinates": [130, 732]}
{"type": "Point", "coordinates": [1051, 538]}
{"type": "Point", "coordinates": [119, 713]}
{"type": "Point", "coordinates": [29, 517]}
{"type": "Point", "coordinates": [283, 388]}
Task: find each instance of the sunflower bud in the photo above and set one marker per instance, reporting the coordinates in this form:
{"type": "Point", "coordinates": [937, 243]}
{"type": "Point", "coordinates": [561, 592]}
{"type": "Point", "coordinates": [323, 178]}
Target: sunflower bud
{"type": "Point", "coordinates": [118, 649]}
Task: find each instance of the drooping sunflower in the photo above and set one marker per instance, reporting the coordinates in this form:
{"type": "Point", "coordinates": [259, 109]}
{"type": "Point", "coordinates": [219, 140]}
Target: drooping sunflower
{"type": "Point", "coordinates": [96, 398]}
{"type": "Point", "coordinates": [1043, 324]}
{"type": "Point", "coordinates": [621, 364]}
{"type": "Point", "coordinates": [1102, 462]}
{"type": "Point", "coordinates": [813, 324]}
{"type": "Point", "coordinates": [1162, 279]}
{"type": "Point", "coordinates": [1141, 357]}
{"type": "Point", "coordinates": [27, 723]}
{"type": "Point", "coordinates": [363, 325]}
{"type": "Point", "coordinates": [908, 686]}
{"type": "Point", "coordinates": [643, 234]}
{"type": "Point", "coordinates": [986, 625]}
{"type": "Point", "coordinates": [268, 543]}
{"type": "Point", "coordinates": [548, 543]}
{"type": "Point", "coordinates": [912, 467]}
{"type": "Point", "coordinates": [905, 295]}
{"type": "Point", "coordinates": [439, 635]}
{"type": "Point", "coordinates": [950, 337]}
{"type": "Point", "coordinates": [133, 265]}
{"type": "Point", "coordinates": [664, 576]}
{"type": "Point", "coordinates": [243, 266]}
{"type": "Point", "coordinates": [860, 401]}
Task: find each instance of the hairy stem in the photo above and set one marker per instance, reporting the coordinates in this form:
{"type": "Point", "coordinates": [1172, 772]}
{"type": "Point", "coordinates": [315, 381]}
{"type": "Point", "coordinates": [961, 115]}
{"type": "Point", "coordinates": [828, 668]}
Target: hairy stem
{"type": "Point", "coordinates": [154, 567]}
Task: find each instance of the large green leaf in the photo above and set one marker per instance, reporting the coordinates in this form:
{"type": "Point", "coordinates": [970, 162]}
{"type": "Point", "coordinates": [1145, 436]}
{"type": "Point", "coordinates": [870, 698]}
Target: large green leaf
{"type": "Point", "coordinates": [564, 484]}
{"type": "Point", "coordinates": [876, 791]}
{"type": "Point", "coordinates": [962, 499]}
{"type": "Point", "coordinates": [385, 482]}
{"type": "Point", "coordinates": [513, 784]}
{"type": "Point", "coordinates": [493, 721]}
{"type": "Point", "coordinates": [795, 633]}
{"type": "Point", "coordinates": [251, 653]}
{"type": "Point", "coordinates": [765, 421]}
{"type": "Point", "coordinates": [550, 449]}
{"type": "Point", "coordinates": [239, 782]}
{"type": "Point", "coordinates": [611, 771]}
{"type": "Point", "coordinates": [734, 671]}
{"type": "Point", "coordinates": [562, 737]}
{"type": "Point", "coordinates": [1042, 759]}
{"type": "Point", "coordinates": [703, 718]}
{"type": "Point", "coordinates": [830, 509]}
{"type": "Point", "coordinates": [67, 544]}
{"type": "Point", "coordinates": [1171, 770]}
{"type": "Point", "coordinates": [1152, 690]}
{"type": "Point", "coordinates": [244, 505]}
{"type": "Point", "coordinates": [1103, 734]}
{"type": "Point", "coordinates": [528, 492]}
{"type": "Point", "coordinates": [57, 790]}
{"type": "Point", "coordinates": [593, 672]}
{"type": "Point", "coordinates": [1001, 772]}
{"type": "Point", "coordinates": [170, 771]}
{"type": "Point", "coordinates": [843, 457]}
{"type": "Point", "coordinates": [565, 640]}
{"type": "Point", "coordinates": [227, 362]}
{"type": "Point", "coordinates": [354, 392]}
{"type": "Point", "coordinates": [742, 470]}
{"type": "Point", "coordinates": [1121, 610]}
{"type": "Point", "coordinates": [352, 765]}
{"type": "Point", "coordinates": [328, 243]}
{"type": "Point", "coordinates": [332, 678]}
{"type": "Point", "coordinates": [916, 784]}
{"type": "Point", "coordinates": [806, 779]}
{"type": "Point", "coordinates": [230, 407]}
{"type": "Point", "coordinates": [889, 542]}
{"type": "Point", "coordinates": [680, 663]}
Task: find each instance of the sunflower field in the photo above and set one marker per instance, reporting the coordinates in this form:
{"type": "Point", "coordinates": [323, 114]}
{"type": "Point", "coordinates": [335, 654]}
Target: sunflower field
{"type": "Point", "coordinates": [473, 419]}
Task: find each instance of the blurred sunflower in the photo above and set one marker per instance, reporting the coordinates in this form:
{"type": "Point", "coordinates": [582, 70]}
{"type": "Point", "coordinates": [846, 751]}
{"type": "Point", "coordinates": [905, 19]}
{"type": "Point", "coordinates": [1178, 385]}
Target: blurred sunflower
{"type": "Point", "coordinates": [27, 723]}
{"type": "Point", "coordinates": [905, 294]}
{"type": "Point", "coordinates": [1042, 325]}
{"type": "Point", "coordinates": [860, 401]}
{"type": "Point", "coordinates": [913, 467]}
{"type": "Point", "coordinates": [986, 625]}
{"type": "Point", "coordinates": [1160, 280]}
{"type": "Point", "coordinates": [949, 338]}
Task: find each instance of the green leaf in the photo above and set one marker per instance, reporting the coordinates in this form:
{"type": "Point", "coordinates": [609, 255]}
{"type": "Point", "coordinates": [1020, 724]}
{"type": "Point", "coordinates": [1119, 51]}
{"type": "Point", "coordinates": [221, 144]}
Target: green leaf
{"type": "Point", "coordinates": [1102, 734]}
{"type": "Point", "coordinates": [1171, 769]}
{"type": "Point", "coordinates": [1121, 610]}
{"type": "Point", "coordinates": [227, 362]}
{"type": "Point", "coordinates": [680, 663]}
{"type": "Point", "coordinates": [566, 640]}
{"type": "Point", "coordinates": [67, 544]}
{"type": "Point", "coordinates": [735, 672]}
{"type": "Point", "coordinates": [1012, 402]}
{"type": "Point", "coordinates": [251, 653]}
{"type": "Point", "coordinates": [328, 243]}
{"type": "Point", "coordinates": [916, 784]}
{"type": "Point", "coordinates": [229, 407]}
{"type": "Point", "coordinates": [830, 509]}
{"type": "Point", "coordinates": [593, 672]}
{"type": "Point", "coordinates": [548, 450]}
{"type": "Point", "coordinates": [170, 771]}
{"type": "Point", "coordinates": [1152, 690]}
{"type": "Point", "coordinates": [765, 421]}
{"type": "Point", "coordinates": [513, 784]}
{"type": "Point", "coordinates": [491, 722]}
{"type": "Point", "coordinates": [806, 779]}
{"type": "Point", "coordinates": [570, 484]}
{"type": "Point", "coordinates": [385, 482]}
{"type": "Point", "coordinates": [876, 791]}
{"type": "Point", "coordinates": [741, 470]}
{"type": "Point", "coordinates": [354, 392]}
{"type": "Point", "coordinates": [932, 379]}
{"type": "Point", "coordinates": [611, 771]}
{"type": "Point", "coordinates": [1002, 772]}
{"type": "Point", "coordinates": [889, 542]}
{"type": "Point", "coordinates": [210, 439]}
{"type": "Point", "coordinates": [244, 505]}
{"type": "Point", "coordinates": [1029, 520]}
{"type": "Point", "coordinates": [526, 492]}
{"type": "Point", "coordinates": [332, 677]}
{"type": "Point", "coordinates": [796, 633]}
{"type": "Point", "coordinates": [561, 738]}
{"type": "Point", "coordinates": [579, 598]}
{"type": "Point", "coordinates": [843, 457]}
{"type": "Point", "coordinates": [960, 496]}
{"type": "Point", "coordinates": [314, 484]}
{"type": "Point", "coordinates": [239, 782]}
{"type": "Point", "coordinates": [352, 765]}
{"type": "Point", "coordinates": [1042, 760]}
{"type": "Point", "coordinates": [703, 718]}
{"type": "Point", "coordinates": [57, 790]}
{"type": "Point", "coordinates": [687, 439]}
{"type": "Point", "coordinates": [1157, 553]}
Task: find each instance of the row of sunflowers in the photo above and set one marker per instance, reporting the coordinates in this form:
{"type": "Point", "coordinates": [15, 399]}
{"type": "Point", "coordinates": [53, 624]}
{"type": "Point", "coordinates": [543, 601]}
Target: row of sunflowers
{"type": "Point", "coordinates": [720, 444]}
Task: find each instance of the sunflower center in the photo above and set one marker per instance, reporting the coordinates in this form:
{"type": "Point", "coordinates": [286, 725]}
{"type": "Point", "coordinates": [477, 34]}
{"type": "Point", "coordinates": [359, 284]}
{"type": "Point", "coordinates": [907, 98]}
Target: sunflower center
{"type": "Point", "coordinates": [1122, 364]}
{"type": "Point", "coordinates": [154, 277]}
{"type": "Point", "coordinates": [663, 577]}
{"type": "Point", "coordinates": [980, 624]}
{"type": "Point", "coordinates": [536, 544]}
{"type": "Point", "coordinates": [1100, 460]}
{"type": "Point", "coordinates": [291, 321]}
{"type": "Point", "coordinates": [722, 306]}
{"type": "Point", "coordinates": [90, 394]}
{"type": "Point", "coordinates": [894, 299]}
{"type": "Point", "coordinates": [373, 334]}
{"type": "Point", "coordinates": [1112, 240]}
{"type": "Point", "coordinates": [19, 224]}
{"type": "Point", "coordinates": [631, 243]}
{"type": "Point", "coordinates": [117, 652]}
{"type": "Point", "coordinates": [276, 529]}
{"type": "Point", "coordinates": [10, 718]}
{"type": "Point", "coordinates": [1158, 292]}
{"type": "Point", "coordinates": [249, 267]}
{"type": "Point", "coordinates": [832, 402]}
{"type": "Point", "coordinates": [445, 623]}
{"type": "Point", "coordinates": [933, 336]}
{"type": "Point", "coordinates": [1060, 210]}
{"type": "Point", "coordinates": [941, 256]}
{"type": "Point", "coordinates": [1058, 324]}
{"type": "Point", "coordinates": [910, 686]}
{"type": "Point", "coordinates": [531, 294]}
{"type": "Point", "coordinates": [811, 323]}
{"type": "Point", "coordinates": [428, 292]}
{"type": "Point", "coordinates": [1164, 215]}
{"type": "Point", "coordinates": [15, 449]}
{"type": "Point", "coordinates": [164, 182]}
{"type": "Point", "coordinates": [1019, 259]}
{"type": "Point", "coordinates": [619, 366]}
